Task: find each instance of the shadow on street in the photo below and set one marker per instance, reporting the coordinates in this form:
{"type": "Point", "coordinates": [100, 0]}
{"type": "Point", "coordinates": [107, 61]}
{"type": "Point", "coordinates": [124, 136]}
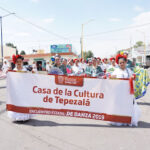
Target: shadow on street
{"type": "Point", "coordinates": [143, 103]}
{"type": "Point", "coordinates": [2, 87]}
{"type": "Point", "coordinates": [41, 123]}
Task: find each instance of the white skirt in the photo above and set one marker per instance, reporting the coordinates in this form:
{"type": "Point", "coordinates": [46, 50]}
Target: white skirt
{"type": "Point", "coordinates": [19, 116]}
{"type": "Point", "coordinates": [135, 117]}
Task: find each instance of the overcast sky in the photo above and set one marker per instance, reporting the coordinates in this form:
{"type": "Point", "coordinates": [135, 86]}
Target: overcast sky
{"type": "Point", "coordinates": [64, 18]}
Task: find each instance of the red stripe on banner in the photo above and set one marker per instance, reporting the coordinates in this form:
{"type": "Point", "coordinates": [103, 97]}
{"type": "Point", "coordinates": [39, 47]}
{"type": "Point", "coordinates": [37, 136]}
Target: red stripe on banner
{"type": "Point", "coordinates": [12, 71]}
{"type": "Point", "coordinates": [69, 113]}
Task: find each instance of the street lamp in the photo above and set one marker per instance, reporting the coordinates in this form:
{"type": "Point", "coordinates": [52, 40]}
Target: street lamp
{"type": "Point", "coordinates": [1, 17]}
{"type": "Point", "coordinates": [144, 60]}
{"type": "Point", "coordinates": [82, 35]}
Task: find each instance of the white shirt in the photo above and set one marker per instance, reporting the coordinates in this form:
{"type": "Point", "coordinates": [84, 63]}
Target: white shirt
{"type": "Point", "coordinates": [82, 65]}
{"type": "Point", "coordinates": [77, 69]}
{"type": "Point", "coordinates": [119, 73]}
{"type": "Point", "coordinates": [111, 66]}
{"type": "Point", "coordinates": [34, 67]}
{"type": "Point", "coordinates": [104, 66]}
{"type": "Point", "coordinates": [23, 69]}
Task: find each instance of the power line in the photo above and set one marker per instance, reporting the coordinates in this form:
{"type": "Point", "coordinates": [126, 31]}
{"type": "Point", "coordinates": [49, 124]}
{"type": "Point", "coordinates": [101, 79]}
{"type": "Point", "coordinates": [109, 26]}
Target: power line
{"type": "Point", "coordinates": [41, 28]}
{"type": "Point", "coordinates": [111, 31]}
{"type": "Point", "coordinates": [35, 25]}
{"type": "Point", "coordinates": [116, 30]}
{"type": "Point", "coordinates": [88, 35]}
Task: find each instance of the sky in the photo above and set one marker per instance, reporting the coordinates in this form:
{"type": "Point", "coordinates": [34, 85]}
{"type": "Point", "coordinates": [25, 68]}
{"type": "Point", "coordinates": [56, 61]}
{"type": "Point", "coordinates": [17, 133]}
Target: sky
{"type": "Point", "coordinates": [62, 21]}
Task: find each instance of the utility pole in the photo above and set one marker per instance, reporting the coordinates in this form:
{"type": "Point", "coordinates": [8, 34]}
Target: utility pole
{"type": "Point", "coordinates": [82, 41]}
{"type": "Point", "coordinates": [2, 51]}
{"type": "Point", "coordinates": [82, 36]}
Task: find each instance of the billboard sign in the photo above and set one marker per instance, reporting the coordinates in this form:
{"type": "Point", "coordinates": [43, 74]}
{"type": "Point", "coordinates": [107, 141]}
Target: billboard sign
{"type": "Point", "coordinates": [61, 48]}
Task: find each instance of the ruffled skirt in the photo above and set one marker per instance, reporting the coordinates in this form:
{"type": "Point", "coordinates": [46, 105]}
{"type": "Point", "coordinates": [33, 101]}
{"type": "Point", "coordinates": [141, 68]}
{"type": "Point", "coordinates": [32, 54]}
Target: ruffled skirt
{"type": "Point", "coordinates": [19, 116]}
{"type": "Point", "coordinates": [135, 117]}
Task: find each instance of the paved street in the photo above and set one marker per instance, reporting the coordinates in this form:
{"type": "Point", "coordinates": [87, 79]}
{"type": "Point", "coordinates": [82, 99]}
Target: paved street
{"type": "Point", "coordinates": [64, 133]}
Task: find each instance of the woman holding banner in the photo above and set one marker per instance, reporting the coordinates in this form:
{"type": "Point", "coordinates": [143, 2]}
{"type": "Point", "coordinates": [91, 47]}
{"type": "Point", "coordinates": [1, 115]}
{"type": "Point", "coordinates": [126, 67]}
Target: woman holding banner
{"type": "Point", "coordinates": [123, 72]}
{"type": "Point", "coordinates": [14, 116]}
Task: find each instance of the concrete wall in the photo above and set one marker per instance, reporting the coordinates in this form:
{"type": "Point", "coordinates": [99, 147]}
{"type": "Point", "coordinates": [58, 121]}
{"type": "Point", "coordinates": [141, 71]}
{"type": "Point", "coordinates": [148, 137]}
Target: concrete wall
{"type": "Point", "coordinates": [7, 51]}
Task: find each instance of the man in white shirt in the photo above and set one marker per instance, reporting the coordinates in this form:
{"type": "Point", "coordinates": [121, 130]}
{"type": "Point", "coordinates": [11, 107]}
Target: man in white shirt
{"type": "Point", "coordinates": [48, 67]}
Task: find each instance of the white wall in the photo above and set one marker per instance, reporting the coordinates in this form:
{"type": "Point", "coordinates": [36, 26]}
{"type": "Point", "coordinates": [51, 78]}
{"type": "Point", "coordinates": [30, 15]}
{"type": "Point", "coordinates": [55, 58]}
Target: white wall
{"type": "Point", "coordinates": [7, 51]}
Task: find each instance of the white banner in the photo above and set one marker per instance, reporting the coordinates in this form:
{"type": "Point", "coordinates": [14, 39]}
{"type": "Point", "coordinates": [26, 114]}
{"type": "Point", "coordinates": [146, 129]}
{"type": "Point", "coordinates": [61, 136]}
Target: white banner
{"type": "Point", "coordinates": [91, 98]}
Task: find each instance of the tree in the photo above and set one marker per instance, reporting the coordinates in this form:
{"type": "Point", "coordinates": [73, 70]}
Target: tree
{"type": "Point", "coordinates": [22, 52]}
{"type": "Point", "coordinates": [139, 44]}
{"type": "Point", "coordinates": [88, 54]}
{"type": "Point", "coordinates": [11, 45]}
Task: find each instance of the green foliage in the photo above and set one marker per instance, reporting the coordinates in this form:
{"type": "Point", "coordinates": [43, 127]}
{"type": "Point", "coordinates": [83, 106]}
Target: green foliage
{"type": "Point", "coordinates": [22, 52]}
{"type": "Point", "coordinates": [11, 45]}
{"type": "Point", "coordinates": [88, 54]}
{"type": "Point", "coordinates": [139, 44]}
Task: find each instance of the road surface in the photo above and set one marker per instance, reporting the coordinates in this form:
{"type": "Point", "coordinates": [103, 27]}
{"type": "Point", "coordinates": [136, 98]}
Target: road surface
{"type": "Point", "coordinates": [64, 133]}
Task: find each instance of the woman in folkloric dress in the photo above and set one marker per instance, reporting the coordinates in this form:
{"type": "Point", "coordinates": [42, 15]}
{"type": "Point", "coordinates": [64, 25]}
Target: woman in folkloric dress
{"type": "Point", "coordinates": [123, 72]}
{"type": "Point", "coordinates": [14, 116]}
{"type": "Point", "coordinates": [97, 70]}
{"type": "Point", "coordinates": [113, 66]}
{"type": "Point", "coordinates": [105, 64]}
{"type": "Point", "coordinates": [89, 68]}
{"type": "Point", "coordinates": [82, 64]}
{"type": "Point", "coordinates": [69, 66]}
{"type": "Point", "coordinates": [77, 70]}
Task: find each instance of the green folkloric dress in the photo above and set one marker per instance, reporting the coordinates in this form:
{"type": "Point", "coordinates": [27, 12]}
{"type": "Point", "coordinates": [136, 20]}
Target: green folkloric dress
{"type": "Point", "coordinates": [89, 70]}
{"type": "Point", "coordinates": [141, 82]}
{"type": "Point", "coordinates": [97, 71]}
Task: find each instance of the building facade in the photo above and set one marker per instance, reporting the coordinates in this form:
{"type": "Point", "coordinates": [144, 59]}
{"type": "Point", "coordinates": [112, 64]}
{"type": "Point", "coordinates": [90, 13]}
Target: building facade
{"type": "Point", "coordinates": [142, 55]}
{"type": "Point", "coordinates": [42, 58]}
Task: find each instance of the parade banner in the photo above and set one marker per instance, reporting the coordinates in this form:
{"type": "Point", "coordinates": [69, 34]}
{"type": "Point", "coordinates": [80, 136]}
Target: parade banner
{"type": "Point", "coordinates": [91, 98]}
